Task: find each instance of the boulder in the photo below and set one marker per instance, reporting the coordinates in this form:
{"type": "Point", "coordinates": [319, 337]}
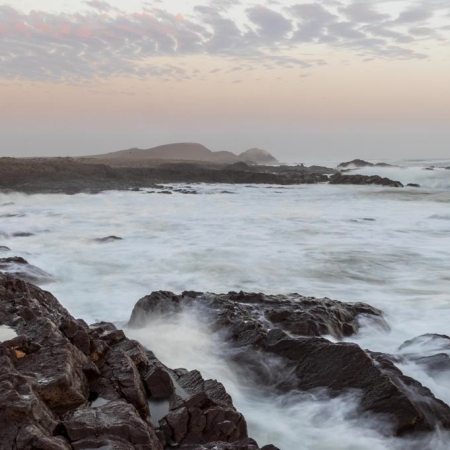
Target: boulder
{"type": "Point", "coordinates": [115, 421]}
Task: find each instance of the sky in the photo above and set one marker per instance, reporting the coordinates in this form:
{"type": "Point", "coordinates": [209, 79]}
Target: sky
{"type": "Point", "coordinates": [306, 80]}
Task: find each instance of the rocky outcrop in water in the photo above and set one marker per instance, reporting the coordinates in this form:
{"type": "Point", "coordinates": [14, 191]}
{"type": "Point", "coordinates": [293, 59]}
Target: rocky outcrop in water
{"type": "Point", "coordinates": [260, 327]}
{"type": "Point", "coordinates": [66, 175]}
{"type": "Point", "coordinates": [364, 180]}
{"type": "Point", "coordinates": [66, 385]}
{"type": "Point", "coordinates": [20, 268]}
{"type": "Point", "coordinates": [361, 163]}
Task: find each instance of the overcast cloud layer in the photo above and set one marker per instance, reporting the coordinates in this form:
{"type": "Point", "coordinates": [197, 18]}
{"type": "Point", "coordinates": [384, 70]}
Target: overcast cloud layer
{"type": "Point", "coordinates": [102, 41]}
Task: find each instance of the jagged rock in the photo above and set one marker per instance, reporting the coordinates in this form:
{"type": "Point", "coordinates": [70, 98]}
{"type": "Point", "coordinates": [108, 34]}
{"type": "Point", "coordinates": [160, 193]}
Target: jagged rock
{"type": "Point", "coordinates": [65, 385]}
{"type": "Point", "coordinates": [20, 268]}
{"type": "Point", "coordinates": [263, 327]}
{"type": "Point", "coordinates": [24, 417]}
{"type": "Point", "coordinates": [121, 371]}
{"type": "Point", "coordinates": [158, 382]}
{"type": "Point", "coordinates": [363, 180]}
{"type": "Point", "coordinates": [302, 316]}
{"type": "Point", "coordinates": [116, 420]}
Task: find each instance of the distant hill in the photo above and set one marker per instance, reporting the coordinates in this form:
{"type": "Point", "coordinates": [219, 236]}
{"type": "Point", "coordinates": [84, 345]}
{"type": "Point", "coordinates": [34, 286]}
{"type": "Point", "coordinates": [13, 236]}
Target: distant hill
{"type": "Point", "coordinates": [187, 151]}
{"type": "Point", "coordinates": [258, 156]}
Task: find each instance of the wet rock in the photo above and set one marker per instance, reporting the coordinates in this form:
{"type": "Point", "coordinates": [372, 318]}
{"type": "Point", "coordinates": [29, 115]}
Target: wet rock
{"type": "Point", "coordinates": [20, 268]}
{"type": "Point", "coordinates": [282, 332]}
{"type": "Point", "coordinates": [361, 163]}
{"type": "Point", "coordinates": [108, 239]}
{"type": "Point", "coordinates": [64, 384]}
{"type": "Point", "coordinates": [355, 163]}
{"type": "Point", "coordinates": [427, 343]}
{"type": "Point", "coordinates": [302, 316]}
{"type": "Point", "coordinates": [165, 192]}
{"type": "Point", "coordinates": [245, 444]}
{"type": "Point", "coordinates": [4, 249]}
{"type": "Point", "coordinates": [363, 180]}
{"type": "Point", "coordinates": [61, 381]}
{"type": "Point", "coordinates": [124, 377]}
{"type": "Point", "coordinates": [22, 234]}
{"type": "Point", "coordinates": [431, 351]}
{"type": "Point", "coordinates": [158, 382]}
{"type": "Point", "coordinates": [21, 408]}
{"type": "Point", "coordinates": [432, 412]}
{"type": "Point", "coordinates": [114, 421]}
{"type": "Point", "coordinates": [413, 185]}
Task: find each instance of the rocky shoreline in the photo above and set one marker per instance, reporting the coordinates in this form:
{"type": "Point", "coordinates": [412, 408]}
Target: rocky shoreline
{"type": "Point", "coordinates": [65, 384]}
{"type": "Point", "coordinates": [72, 176]}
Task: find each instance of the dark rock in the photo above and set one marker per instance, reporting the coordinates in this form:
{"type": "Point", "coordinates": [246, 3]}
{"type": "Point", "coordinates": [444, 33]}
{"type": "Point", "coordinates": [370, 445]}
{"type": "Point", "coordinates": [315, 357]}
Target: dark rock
{"type": "Point", "coordinates": [66, 175]}
{"type": "Point", "coordinates": [8, 216]}
{"type": "Point", "coordinates": [165, 192]}
{"type": "Point", "coordinates": [108, 239]}
{"type": "Point", "coordinates": [302, 316]}
{"type": "Point", "coordinates": [66, 385]}
{"type": "Point", "coordinates": [364, 180]}
{"type": "Point", "coordinates": [20, 268]}
{"type": "Point", "coordinates": [431, 351]}
{"type": "Point", "coordinates": [427, 342]}
{"type": "Point", "coordinates": [116, 420]}
{"type": "Point", "coordinates": [238, 166]}
{"type": "Point", "coordinates": [413, 185]}
{"type": "Point", "coordinates": [355, 163]}
{"type": "Point", "coordinates": [158, 382]}
{"type": "Point", "coordinates": [24, 417]}
{"type": "Point", "coordinates": [22, 234]}
{"type": "Point", "coordinates": [282, 332]}
{"type": "Point", "coordinates": [428, 168]}
{"type": "Point", "coordinates": [123, 375]}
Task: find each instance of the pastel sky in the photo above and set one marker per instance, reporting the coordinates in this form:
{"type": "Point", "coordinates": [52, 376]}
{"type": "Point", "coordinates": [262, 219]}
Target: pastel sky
{"type": "Point", "coordinates": [303, 79]}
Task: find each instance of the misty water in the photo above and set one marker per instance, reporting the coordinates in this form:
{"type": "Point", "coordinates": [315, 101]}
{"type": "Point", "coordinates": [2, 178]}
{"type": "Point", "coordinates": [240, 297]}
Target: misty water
{"type": "Point", "coordinates": [387, 247]}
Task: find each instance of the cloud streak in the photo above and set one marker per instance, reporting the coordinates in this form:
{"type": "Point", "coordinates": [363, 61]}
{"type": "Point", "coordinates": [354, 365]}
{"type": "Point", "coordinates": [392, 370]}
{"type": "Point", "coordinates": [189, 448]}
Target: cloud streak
{"type": "Point", "coordinates": [103, 42]}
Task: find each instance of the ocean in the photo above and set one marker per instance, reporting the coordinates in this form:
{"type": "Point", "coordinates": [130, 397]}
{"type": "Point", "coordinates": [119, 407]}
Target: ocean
{"type": "Point", "coordinates": [389, 247]}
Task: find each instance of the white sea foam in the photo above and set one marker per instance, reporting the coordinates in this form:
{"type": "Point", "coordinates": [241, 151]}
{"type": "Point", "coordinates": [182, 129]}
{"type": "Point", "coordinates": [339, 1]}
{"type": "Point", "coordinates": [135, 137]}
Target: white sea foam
{"type": "Point", "coordinates": [315, 240]}
{"type": "Point", "coordinates": [6, 333]}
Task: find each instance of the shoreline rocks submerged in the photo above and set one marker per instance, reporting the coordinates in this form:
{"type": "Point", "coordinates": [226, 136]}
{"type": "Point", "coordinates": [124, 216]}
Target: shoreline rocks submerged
{"type": "Point", "coordinates": [67, 385]}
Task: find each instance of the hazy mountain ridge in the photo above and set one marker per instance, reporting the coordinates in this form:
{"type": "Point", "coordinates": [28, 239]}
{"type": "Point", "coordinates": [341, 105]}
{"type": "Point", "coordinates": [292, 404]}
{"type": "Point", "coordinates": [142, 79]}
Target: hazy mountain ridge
{"type": "Point", "coordinates": [188, 151]}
